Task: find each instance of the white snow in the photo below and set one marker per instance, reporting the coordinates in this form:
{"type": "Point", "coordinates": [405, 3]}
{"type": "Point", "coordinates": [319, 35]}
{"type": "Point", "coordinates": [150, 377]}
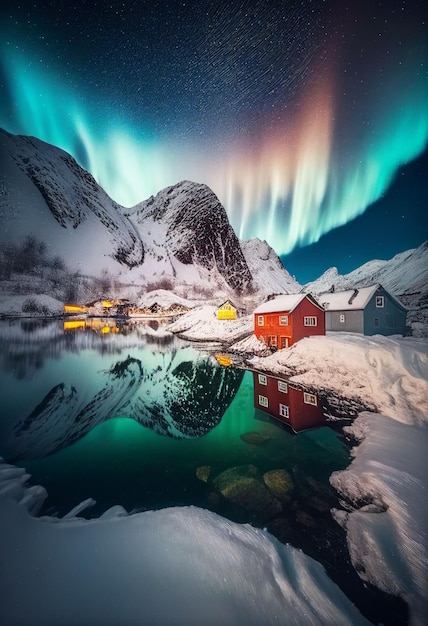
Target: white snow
{"type": "Point", "coordinates": [162, 297]}
{"type": "Point", "coordinates": [389, 548]}
{"type": "Point", "coordinates": [267, 270]}
{"type": "Point", "coordinates": [389, 372]}
{"type": "Point", "coordinates": [201, 324]}
{"type": "Point", "coordinates": [177, 566]}
{"type": "Point", "coordinates": [31, 305]}
{"type": "Point", "coordinates": [344, 300]}
{"type": "Point", "coordinates": [281, 303]}
{"type": "Point", "coordinates": [405, 272]}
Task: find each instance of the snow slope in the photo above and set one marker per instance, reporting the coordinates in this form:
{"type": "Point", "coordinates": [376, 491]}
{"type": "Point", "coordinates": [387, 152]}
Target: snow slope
{"type": "Point", "coordinates": [268, 272]}
{"type": "Point", "coordinates": [48, 195]}
{"type": "Point", "coordinates": [181, 566]}
{"type": "Point", "coordinates": [383, 491]}
{"type": "Point", "coordinates": [389, 374]}
{"type": "Point", "coordinates": [386, 509]}
{"type": "Point", "coordinates": [406, 272]}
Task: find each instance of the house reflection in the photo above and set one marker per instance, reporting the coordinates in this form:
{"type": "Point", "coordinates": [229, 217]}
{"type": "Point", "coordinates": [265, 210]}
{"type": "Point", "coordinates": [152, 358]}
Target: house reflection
{"type": "Point", "coordinates": [98, 325]}
{"type": "Point", "coordinates": [292, 406]}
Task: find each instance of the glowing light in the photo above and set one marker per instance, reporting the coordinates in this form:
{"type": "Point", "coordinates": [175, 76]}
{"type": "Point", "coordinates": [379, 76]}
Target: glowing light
{"type": "Point", "coordinates": [298, 181]}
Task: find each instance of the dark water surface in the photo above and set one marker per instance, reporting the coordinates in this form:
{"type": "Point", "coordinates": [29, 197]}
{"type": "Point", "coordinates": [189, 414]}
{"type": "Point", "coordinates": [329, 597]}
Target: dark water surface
{"type": "Point", "coordinates": [127, 414]}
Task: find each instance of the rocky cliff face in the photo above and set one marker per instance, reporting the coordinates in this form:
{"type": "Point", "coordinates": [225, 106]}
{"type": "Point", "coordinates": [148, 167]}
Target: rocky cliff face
{"type": "Point", "coordinates": [197, 231]}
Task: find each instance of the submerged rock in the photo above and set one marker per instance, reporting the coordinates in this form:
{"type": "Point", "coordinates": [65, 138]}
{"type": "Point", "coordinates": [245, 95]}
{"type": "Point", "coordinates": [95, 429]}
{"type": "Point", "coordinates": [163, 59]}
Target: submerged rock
{"type": "Point", "coordinates": [242, 486]}
{"type": "Point", "coordinates": [280, 484]}
{"type": "Point", "coordinates": [256, 439]}
{"type": "Point", "coordinates": [203, 473]}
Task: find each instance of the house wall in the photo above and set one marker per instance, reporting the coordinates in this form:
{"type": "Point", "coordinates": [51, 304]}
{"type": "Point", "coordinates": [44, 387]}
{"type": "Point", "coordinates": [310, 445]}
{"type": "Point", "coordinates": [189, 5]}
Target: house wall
{"type": "Point", "coordinates": [295, 329]}
{"type": "Point", "coordinates": [354, 321]}
{"type": "Point", "coordinates": [301, 415]}
{"type": "Point", "coordinates": [391, 319]}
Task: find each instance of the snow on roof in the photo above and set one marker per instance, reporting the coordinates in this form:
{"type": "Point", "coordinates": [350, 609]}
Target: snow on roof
{"type": "Point", "coordinates": [343, 300]}
{"type": "Point", "coordinates": [283, 303]}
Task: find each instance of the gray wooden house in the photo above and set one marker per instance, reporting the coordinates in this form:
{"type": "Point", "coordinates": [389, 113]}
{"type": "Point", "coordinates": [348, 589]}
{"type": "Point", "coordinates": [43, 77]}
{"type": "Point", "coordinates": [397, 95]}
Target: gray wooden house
{"type": "Point", "coordinates": [369, 310]}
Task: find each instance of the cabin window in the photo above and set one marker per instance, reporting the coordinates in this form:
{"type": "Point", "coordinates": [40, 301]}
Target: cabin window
{"type": "Point", "coordinates": [376, 321]}
{"type": "Point", "coordinates": [342, 318]}
{"type": "Point", "coordinates": [309, 398]}
{"type": "Point", "coordinates": [380, 302]}
{"type": "Point", "coordinates": [263, 401]}
{"type": "Point", "coordinates": [310, 320]}
{"type": "Point", "coordinates": [272, 340]}
{"type": "Point", "coordinates": [284, 411]}
{"type": "Point", "coordinates": [283, 320]}
{"type": "Point", "coordinates": [283, 341]}
{"type": "Point", "coordinates": [260, 320]}
{"type": "Point", "coordinates": [262, 379]}
{"type": "Point", "coordinates": [282, 386]}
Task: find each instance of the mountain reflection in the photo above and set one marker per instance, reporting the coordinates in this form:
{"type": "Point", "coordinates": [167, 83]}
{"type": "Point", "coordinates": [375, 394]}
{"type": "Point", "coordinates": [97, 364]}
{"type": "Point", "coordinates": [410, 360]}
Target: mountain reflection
{"type": "Point", "coordinates": [57, 384]}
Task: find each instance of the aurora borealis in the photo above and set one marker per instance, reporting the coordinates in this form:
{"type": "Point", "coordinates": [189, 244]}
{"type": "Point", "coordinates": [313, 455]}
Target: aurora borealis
{"type": "Point", "coordinates": [299, 115]}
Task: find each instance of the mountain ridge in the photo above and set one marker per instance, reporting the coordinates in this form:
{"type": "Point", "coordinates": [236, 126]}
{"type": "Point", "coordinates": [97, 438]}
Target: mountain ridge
{"type": "Point", "coordinates": [180, 239]}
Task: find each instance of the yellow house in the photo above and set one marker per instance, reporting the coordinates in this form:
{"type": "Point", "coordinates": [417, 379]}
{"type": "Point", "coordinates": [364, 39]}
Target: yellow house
{"type": "Point", "coordinates": [227, 311]}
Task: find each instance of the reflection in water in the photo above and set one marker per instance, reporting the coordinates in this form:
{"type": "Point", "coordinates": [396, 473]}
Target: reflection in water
{"type": "Point", "coordinates": [98, 325]}
{"type": "Point", "coordinates": [287, 403]}
{"type": "Point", "coordinates": [175, 392]}
{"type": "Point", "coordinates": [56, 385]}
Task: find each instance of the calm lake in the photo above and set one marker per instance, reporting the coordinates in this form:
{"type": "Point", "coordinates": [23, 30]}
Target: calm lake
{"type": "Point", "coordinates": [128, 414]}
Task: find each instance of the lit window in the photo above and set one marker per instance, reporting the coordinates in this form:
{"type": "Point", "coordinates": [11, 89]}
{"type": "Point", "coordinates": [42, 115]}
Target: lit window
{"type": "Point", "coordinates": [262, 379]}
{"type": "Point", "coordinates": [342, 318]}
{"type": "Point", "coordinates": [310, 320]}
{"type": "Point", "coordinates": [284, 411]}
{"type": "Point", "coordinates": [260, 320]}
{"type": "Point", "coordinates": [380, 302]}
{"type": "Point", "coordinates": [272, 340]}
{"type": "Point", "coordinates": [282, 386]}
{"type": "Point", "coordinates": [309, 398]}
{"type": "Point", "coordinates": [283, 320]}
{"type": "Point", "coordinates": [263, 401]}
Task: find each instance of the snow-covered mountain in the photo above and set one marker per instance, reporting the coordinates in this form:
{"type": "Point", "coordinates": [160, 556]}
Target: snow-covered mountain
{"type": "Point", "coordinates": [188, 222]}
{"type": "Point", "coordinates": [268, 272]}
{"type": "Point", "coordinates": [405, 273]}
{"type": "Point", "coordinates": [180, 239]}
{"type": "Point", "coordinates": [45, 193]}
{"type": "Point", "coordinates": [405, 276]}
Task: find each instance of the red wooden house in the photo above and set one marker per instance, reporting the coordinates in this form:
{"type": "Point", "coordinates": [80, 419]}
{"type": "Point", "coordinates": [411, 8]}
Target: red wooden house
{"type": "Point", "coordinates": [295, 407]}
{"type": "Point", "coordinates": [282, 321]}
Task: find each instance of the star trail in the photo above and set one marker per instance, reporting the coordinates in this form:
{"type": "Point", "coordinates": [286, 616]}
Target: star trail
{"type": "Point", "coordinates": [299, 115]}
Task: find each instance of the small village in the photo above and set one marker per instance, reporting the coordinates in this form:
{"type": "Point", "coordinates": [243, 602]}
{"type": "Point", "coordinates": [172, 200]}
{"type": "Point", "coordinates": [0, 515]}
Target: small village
{"type": "Point", "coordinates": [277, 324]}
{"type": "Point", "coordinates": [282, 320]}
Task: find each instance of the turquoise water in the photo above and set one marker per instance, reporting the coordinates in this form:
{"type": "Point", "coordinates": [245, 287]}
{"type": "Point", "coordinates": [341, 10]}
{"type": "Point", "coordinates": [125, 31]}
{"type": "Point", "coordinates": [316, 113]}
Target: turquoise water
{"type": "Point", "coordinates": [140, 419]}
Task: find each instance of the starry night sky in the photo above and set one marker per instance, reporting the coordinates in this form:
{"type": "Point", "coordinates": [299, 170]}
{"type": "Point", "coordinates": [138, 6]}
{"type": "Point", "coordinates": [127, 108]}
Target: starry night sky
{"type": "Point", "coordinates": [308, 119]}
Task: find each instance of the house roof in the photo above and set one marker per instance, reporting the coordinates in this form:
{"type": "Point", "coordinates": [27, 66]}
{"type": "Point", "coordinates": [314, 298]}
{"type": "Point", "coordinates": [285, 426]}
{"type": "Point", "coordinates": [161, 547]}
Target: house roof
{"type": "Point", "coordinates": [285, 303]}
{"type": "Point", "coordinates": [347, 301]}
{"type": "Point", "coordinates": [227, 302]}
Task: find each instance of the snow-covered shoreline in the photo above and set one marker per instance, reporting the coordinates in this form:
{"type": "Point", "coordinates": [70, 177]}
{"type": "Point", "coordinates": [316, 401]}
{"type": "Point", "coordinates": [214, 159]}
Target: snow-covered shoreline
{"type": "Point", "coordinates": [384, 489]}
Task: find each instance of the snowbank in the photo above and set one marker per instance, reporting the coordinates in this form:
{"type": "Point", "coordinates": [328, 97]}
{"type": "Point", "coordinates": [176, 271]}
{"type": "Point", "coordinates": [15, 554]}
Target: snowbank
{"type": "Point", "coordinates": [386, 485]}
{"type": "Point", "coordinates": [177, 566]}
{"type": "Point", "coordinates": [389, 372]}
{"type": "Point", "coordinates": [32, 305]}
{"type": "Point", "coordinates": [164, 298]}
{"type": "Point", "coordinates": [201, 324]}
